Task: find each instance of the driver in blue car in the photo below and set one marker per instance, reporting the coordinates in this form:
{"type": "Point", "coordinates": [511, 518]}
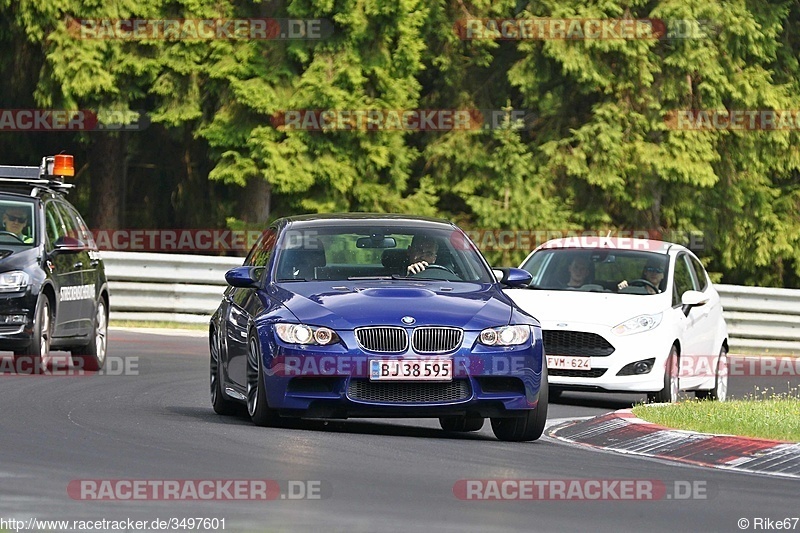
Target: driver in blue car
{"type": "Point", "coordinates": [421, 253]}
{"type": "Point", "coordinates": [15, 220]}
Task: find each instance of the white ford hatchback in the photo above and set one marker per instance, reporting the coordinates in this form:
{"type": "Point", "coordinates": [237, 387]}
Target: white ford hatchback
{"type": "Point", "coordinates": [627, 315]}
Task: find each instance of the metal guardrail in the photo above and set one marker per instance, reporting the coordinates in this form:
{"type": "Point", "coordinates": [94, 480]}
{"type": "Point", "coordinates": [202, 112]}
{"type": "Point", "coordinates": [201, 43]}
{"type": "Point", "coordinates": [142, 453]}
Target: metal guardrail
{"type": "Point", "coordinates": [188, 288]}
{"type": "Point", "coordinates": [166, 287]}
{"type": "Point", "coordinates": [762, 318]}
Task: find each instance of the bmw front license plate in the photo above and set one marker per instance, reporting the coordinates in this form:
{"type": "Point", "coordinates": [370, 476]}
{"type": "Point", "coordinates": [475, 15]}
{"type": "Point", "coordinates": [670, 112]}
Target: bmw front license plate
{"type": "Point", "coordinates": [569, 362]}
{"type": "Point", "coordinates": [411, 370]}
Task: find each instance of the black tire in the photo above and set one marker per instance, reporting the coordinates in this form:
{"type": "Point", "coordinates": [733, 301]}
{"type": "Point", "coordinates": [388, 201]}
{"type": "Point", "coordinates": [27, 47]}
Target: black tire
{"type": "Point", "coordinates": [529, 426]}
{"type": "Point", "coordinates": [257, 407]}
{"type": "Point", "coordinates": [669, 394]}
{"type": "Point", "coordinates": [92, 356]}
{"type": "Point", "coordinates": [35, 359]}
{"type": "Point", "coordinates": [461, 423]}
{"type": "Point", "coordinates": [720, 390]}
{"type": "Point", "coordinates": [219, 400]}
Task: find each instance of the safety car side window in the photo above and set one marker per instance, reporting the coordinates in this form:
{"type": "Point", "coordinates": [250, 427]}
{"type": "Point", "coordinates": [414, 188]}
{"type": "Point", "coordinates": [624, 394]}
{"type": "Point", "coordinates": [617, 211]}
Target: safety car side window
{"type": "Point", "coordinates": [54, 227]}
{"type": "Point", "coordinates": [81, 230]}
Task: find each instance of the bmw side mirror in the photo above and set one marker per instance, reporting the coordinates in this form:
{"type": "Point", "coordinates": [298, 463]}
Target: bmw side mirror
{"type": "Point", "coordinates": [513, 277]}
{"type": "Point", "coordinates": [246, 277]}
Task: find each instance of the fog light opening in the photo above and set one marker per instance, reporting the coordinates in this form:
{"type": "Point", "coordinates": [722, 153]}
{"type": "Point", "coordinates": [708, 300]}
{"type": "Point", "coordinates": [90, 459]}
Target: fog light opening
{"type": "Point", "coordinates": [12, 319]}
{"type": "Point", "coordinates": [642, 367]}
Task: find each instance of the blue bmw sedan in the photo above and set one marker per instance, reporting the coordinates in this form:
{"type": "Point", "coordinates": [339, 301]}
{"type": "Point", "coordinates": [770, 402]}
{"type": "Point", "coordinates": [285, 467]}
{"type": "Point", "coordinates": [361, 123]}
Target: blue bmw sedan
{"type": "Point", "coordinates": [356, 315]}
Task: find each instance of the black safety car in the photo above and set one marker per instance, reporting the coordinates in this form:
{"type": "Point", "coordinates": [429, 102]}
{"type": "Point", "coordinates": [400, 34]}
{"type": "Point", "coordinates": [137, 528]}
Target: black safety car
{"type": "Point", "coordinates": [53, 288]}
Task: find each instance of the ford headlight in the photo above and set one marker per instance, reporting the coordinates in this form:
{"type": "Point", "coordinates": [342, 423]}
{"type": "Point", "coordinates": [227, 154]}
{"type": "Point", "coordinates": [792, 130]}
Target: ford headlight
{"type": "Point", "coordinates": [505, 335]}
{"type": "Point", "coordinates": [637, 324]}
{"type": "Point", "coordinates": [13, 281]}
{"type": "Point", "coordinates": [303, 334]}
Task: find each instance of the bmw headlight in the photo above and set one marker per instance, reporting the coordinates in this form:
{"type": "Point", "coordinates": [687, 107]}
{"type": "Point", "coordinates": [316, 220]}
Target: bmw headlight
{"type": "Point", "coordinates": [15, 280]}
{"type": "Point", "coordinates": [637, 324]}
{"type": "Point", "coordinates": [303, 334]}
{"type": "Point", "coordinates": [505, 335]}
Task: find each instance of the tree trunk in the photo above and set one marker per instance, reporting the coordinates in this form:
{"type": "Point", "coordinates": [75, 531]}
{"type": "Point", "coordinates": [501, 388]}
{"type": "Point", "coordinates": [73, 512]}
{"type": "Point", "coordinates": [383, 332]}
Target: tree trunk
{"type": "Point", "coordinates": [107, 155]}
{"type": "Point", "coordinates": [254, 201]}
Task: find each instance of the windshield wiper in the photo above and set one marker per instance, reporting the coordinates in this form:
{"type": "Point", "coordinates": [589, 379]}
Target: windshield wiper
{"type": "Point", "coordinates": [283, 280]}
{"type": "Point", "coordinates": [367, 278]}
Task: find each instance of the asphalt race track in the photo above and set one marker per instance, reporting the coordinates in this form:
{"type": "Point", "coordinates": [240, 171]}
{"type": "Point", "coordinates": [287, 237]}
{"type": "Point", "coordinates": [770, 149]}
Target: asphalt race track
{"type": "Point", "coordinates": [364, 475]}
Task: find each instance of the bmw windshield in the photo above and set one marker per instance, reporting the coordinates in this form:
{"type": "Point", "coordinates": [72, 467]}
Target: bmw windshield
{"type": "Point", "coordinates": [351, 252]}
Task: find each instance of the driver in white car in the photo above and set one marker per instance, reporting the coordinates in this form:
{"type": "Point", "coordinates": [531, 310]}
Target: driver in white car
{"type": "Point", "coordinates": [652, 273]}
{"type": "Point", "coordinates": [421, 253]}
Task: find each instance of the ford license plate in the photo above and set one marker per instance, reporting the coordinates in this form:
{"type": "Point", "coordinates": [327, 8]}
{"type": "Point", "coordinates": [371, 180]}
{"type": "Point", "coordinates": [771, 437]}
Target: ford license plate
{"type": "Point", "coordinates": [569, 362]}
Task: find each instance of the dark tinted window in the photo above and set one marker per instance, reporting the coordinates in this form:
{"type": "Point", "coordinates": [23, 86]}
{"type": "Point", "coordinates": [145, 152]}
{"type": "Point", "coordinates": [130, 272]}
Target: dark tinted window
{"type": "Point", "coordinates": [702, 279]}
{"type": "Point", "coordinates": [683, 279]}
{"type": "Point", "coordinates": [261, 252]}
{"type": "Point", "coordinates": [55, 226]}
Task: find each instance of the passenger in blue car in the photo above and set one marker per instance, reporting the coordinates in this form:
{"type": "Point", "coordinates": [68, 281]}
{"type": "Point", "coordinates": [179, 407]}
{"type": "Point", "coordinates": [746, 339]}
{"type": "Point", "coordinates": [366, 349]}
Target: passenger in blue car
{"type": "Point", "coordinates": [422, 253]}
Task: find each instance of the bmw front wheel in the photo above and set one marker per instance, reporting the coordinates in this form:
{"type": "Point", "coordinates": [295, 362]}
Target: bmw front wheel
{"type": "Point", "coordinates": [529, 426]}
{"type": "Point", "coordinates": [258, 408]}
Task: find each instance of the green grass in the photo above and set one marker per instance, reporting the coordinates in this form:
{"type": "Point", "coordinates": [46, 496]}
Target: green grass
{"type": "Point", "coordinates": [764, 414]}
{"type": "Point", "coordinates": [155, 324]}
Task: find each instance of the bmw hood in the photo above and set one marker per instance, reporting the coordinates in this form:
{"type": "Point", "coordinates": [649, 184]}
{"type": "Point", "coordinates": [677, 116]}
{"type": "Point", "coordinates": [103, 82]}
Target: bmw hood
{"type": "Point", "coordinates": [346, 306]}
{"type": "Point", "coordinates": [577, 307]}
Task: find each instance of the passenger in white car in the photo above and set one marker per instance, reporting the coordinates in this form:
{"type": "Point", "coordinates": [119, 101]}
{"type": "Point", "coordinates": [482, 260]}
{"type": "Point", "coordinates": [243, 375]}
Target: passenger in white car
{"type": "Point", "coordinates": [580, 272]}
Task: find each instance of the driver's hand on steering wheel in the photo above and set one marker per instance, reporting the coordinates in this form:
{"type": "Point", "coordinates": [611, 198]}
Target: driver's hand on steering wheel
{"type": "Point", "coordinates": [622, 284]}
{"type": "Point", "coordinates": [416, 268]}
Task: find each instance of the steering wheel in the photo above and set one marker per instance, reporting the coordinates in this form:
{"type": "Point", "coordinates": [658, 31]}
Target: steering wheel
{"type": "Point", "coordinates": [20, 239]}
{"type": "Point", "coordinates": [431, 266]}
{"type": "Point", "coordinates": [642, 282]}
{"type": "Point", "coordinates": [438, 267]}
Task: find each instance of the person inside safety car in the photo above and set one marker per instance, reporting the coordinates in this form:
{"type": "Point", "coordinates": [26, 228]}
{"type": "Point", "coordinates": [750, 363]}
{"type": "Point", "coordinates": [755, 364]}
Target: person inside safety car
{"type": "Point", "coordinates": [15, 220]}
